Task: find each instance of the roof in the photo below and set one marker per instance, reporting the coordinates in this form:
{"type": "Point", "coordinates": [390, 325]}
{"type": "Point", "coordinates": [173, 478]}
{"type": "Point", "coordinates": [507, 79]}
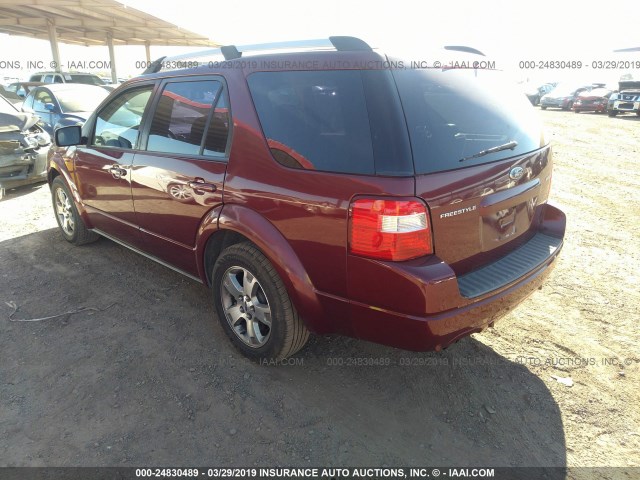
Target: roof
{"type": "Point", "coordinates": [90, 22]}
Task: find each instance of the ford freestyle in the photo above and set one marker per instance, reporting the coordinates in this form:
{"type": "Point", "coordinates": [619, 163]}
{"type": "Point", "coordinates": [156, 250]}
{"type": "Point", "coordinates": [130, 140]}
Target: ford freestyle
{"type": "Point", "coordinates": [326, 188]}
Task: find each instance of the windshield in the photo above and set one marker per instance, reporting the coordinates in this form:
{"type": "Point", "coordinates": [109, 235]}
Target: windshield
{"type": "Point", "coordinates": [86, 79]}
{"type": "Point", "coordinates": [465, 115]}
{"type": "Point", "coordinates": [80, 101]}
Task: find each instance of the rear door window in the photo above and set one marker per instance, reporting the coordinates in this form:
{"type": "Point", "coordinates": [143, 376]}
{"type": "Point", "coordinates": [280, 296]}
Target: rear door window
{"type": "Point", "coordinates": [182, 116]}
{"type": "Point", "coordinates": [344, 121]}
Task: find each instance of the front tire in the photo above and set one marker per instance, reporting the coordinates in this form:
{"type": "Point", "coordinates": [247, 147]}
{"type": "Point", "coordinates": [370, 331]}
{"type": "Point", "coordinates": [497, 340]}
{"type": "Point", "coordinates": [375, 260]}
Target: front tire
{"type": "Point", "coordinates": [253, 305]}
{"type": "Point", "coordinates": [70, 223]}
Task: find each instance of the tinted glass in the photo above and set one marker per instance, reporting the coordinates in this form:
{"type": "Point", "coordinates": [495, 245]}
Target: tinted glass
{"type": "Point", "coordinates": [181, 116]}
{"type": "Point", "coordinates": [118, 123]}
{"type": "Point", "coordinates": [218, 131]}
{"type": "Point", "coordinates": [315, 120]}
{"type": "Point", "coordinates": [456, 114]}
{"type": "Point", "coordinates": [345, 121]}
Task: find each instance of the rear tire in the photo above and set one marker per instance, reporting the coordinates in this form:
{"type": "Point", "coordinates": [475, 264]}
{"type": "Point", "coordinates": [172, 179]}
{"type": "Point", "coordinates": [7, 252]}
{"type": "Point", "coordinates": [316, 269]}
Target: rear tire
{"type": "Point", "coordinates": [543, 108]}
{"type": "Point", "coordinates": [253, 305]}
{"type": "Point", "coordinates": [70, 223]}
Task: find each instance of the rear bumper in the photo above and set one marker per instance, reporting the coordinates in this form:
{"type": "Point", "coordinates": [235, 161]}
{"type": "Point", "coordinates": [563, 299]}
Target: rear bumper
{"type": "Point", "coordinates": [454, 307]}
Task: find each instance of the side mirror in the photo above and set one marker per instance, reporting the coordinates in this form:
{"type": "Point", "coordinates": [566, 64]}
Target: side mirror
{"type": "Point", "coordinates": [49, 107]}
{"type": "Point", "coordinates": [68, 136]}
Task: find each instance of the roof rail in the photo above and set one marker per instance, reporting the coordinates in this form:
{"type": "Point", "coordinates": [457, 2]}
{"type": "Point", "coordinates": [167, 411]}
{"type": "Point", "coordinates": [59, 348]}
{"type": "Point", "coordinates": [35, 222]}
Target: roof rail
{"type": "Point", "coordinates": [462, 48]}
{"type": "Point", "coordinates": [230, 52]}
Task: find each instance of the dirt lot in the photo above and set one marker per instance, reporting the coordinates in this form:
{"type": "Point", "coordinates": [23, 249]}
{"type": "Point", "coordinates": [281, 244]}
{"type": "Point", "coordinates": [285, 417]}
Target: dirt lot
{"type": "Point", "coordinates": [148, 378]}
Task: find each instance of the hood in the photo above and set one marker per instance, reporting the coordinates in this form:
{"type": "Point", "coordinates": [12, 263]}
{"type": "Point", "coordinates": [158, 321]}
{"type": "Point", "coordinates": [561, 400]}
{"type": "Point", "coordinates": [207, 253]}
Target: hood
{"type": "Point", "coordinates": [629, 85]}
{"type": "Point", "coordinates": [79, 116]}
{"type": "Point", "coordinates": [17, 122]}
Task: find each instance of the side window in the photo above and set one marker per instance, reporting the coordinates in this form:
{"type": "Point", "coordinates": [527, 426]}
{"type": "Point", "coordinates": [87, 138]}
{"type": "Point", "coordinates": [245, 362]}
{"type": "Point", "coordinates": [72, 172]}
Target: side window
{"type": "Point", "coordinates": [118, 123]}
{"type": "Point", "coordinates": [41, 98]}
{"type": "Point", "coordinates": [48, 79]}
{"type": "Point", "coordinates": [218, 132]}
{"type": "Point", "coordinates": [58, 79]}
{"type": "Point", "coordinates": [315, 120]}
{"type": "Point", "coordinates": [181, 117]}
{"type": "Point", "coordinates": [28, 103]}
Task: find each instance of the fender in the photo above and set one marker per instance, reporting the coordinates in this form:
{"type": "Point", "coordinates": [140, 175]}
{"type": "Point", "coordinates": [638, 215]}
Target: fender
{"type": "Point", "coordinates": [62, 160]}
{"type": "Point", "coordinates": [274, 246]}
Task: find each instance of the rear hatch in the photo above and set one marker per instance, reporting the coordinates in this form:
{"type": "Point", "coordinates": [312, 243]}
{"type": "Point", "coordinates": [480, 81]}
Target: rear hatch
{"type": "Point", "coordinates": [482, 163]}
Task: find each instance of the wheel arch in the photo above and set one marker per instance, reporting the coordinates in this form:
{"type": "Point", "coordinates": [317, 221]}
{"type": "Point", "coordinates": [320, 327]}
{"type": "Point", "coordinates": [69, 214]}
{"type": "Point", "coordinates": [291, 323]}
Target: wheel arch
{"type": "Point", "coordinates": [236, 224]}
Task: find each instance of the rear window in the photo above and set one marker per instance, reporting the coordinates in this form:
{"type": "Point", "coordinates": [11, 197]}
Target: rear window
{"type": "Point", "coordinates": [454, 115]}
{"type": "Point", "coordinates": [344, 121]}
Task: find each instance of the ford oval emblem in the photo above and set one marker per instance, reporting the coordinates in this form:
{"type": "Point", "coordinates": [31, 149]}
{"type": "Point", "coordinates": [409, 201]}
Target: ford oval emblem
{"type": "Point", "coordinates": [516, 173]}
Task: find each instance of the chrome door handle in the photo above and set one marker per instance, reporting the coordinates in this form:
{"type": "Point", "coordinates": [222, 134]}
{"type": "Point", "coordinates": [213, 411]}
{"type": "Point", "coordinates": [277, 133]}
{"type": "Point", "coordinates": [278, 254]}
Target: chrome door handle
{"type": "Point", "coordinates": [118, 172]}
{"type": "Point", "coordinates": [200, 187]}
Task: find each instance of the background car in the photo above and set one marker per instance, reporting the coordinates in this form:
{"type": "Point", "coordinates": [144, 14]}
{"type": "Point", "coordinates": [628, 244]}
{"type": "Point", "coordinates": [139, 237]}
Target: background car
{"type": "Point", "coordinates": [563, 96]}
{"type": "Point", "coordinates": [592, 101]}
{"type": "Point", "coordinates": [22, 89]}
{"type": "Point", "coordinates": [63, 104]}
{"type": "Point", "coordinates": [535, 93]}
{"type": "Point", "coordinates": [10, 96]}
{"type": "Point", "coordinates": [627, 99]}
{"type": "Point", "coordinates": [61, 77]}
{"type": "Point", "coordinates": [23, 148]}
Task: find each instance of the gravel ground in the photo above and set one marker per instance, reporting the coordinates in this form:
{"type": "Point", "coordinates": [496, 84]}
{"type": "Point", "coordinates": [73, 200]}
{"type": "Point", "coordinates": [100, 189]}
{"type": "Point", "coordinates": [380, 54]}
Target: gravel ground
{"type": "Point", "coordinates": [143, 374]}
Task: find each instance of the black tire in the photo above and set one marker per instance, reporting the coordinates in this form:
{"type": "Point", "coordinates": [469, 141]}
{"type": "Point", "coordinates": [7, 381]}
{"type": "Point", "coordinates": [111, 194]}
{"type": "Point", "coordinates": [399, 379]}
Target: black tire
{"type": "Point", "coordinates": [69, 221]}
{"type": "Point", "coordinates": [543, 108]}
{"type": "Point", "coordinates": [612, 113]}
{"type": "Point", "coordinates": [253, 285]}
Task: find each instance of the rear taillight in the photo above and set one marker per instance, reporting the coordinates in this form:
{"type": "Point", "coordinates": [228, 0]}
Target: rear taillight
{"type": "Point", "coordinates": [389, 229]}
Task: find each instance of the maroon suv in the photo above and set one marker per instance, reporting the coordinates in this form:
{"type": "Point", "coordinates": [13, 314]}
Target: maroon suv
{"type": "Point", "coordinates": [327, 190]}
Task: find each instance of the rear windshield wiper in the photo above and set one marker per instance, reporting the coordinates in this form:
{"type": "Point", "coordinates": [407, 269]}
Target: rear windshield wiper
{"type": "Point", "coordinates": [507, 146]}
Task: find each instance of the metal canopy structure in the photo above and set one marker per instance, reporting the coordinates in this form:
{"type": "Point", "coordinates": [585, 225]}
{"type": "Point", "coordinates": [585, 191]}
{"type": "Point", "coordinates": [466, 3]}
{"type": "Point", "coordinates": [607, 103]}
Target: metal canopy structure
{"type": "Point", "coordinates": [92, 22]}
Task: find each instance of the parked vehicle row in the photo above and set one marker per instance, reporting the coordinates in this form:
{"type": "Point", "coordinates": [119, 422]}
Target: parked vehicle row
{"type": "Point", "coordinates": [63, 104]}
{"type": "Point", "coordinates": [594, 98]}
{"type": "Point", "coordinates": [626, 100]}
